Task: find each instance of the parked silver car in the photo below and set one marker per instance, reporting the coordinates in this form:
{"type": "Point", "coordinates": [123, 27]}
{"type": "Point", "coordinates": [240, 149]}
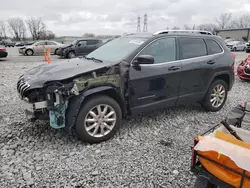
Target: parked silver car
{"type": "Point", "coordinates": [37, 48]}
{"type": "Point", "coordinates": [236, 46]}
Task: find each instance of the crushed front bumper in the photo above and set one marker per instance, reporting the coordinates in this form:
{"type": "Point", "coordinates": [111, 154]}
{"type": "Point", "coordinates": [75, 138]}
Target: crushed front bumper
{"type": "Point", "coordinates": [242, 74]}
{"type": "Point", "coordinates": [33, 109]}
{"type": "Point", "coordinates": [21, 51]}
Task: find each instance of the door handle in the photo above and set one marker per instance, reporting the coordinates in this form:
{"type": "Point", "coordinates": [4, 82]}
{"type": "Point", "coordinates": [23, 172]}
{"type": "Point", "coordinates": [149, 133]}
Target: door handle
{"type": "Point", "coordinates": [211, 62]}
{"type": "Point", "coordinates": [173, 68]}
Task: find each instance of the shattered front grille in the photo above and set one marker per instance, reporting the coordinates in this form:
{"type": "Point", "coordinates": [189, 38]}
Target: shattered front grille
{"type": "Point", "coordinates": [22, 87]}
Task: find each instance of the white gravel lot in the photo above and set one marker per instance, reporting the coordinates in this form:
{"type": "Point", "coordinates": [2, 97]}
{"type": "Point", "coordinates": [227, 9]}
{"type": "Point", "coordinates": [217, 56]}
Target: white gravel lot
{"type": "Point", "coordinates": [35, 155]}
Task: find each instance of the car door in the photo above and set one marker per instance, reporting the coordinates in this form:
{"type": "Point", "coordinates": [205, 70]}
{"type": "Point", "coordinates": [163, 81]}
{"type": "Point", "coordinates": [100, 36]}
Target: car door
{"type": "Point", "coordinates": [81, 47]}
{"type": "Point", "coordinates": [38, 48]}
{"type": "Point", "coordinates": [155, 85]}
{"type": "Point", "coordinates": [193, 56]}
{"type": "Point", "coordinates": [91, 45]}
{"type": "Point", "coordinates": [52, 45]}
{"type": "Point", "coordinates": [242, 46]}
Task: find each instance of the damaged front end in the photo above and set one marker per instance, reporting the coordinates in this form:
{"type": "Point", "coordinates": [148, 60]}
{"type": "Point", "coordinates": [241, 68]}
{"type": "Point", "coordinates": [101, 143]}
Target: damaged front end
{"type": "Point", "coordinates": [243, 70]}
{"type": "Point", "coordinates": [60, 101]}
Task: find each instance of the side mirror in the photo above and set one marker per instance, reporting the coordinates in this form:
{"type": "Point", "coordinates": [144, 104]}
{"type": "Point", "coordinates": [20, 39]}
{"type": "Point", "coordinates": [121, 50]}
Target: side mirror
{"type": "Point", "coordinates": [144, 59]}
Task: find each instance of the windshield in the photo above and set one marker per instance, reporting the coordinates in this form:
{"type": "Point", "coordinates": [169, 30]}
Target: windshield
{"type": "Point", "coordinates": [117, 49]}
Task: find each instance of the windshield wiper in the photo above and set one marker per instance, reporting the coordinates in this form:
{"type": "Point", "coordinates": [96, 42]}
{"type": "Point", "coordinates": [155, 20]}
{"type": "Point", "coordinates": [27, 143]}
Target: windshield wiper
{"type": "Point", "coordinates": [93, 59]}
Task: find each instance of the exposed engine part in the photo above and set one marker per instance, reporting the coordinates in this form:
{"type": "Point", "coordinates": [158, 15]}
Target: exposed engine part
{"type": "Point", "coordinates": [57, 116]}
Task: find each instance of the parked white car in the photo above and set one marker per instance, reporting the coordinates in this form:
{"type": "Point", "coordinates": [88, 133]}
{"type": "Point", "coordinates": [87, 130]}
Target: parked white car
{"type": "Point", "coordinates": [37, 48]}
{"type": "Point", "coordinates": [228, 40]}
{"type": "Point", "coordinates": [236, 46]}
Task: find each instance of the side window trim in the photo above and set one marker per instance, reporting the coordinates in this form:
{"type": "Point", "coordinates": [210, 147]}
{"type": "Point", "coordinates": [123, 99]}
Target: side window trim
{"type": "Point", "coordinates": [222, 52]}
{"type": "Point", "coordinates": [190, 37]}
{"type": "Point", "coordinates": [164, 63]}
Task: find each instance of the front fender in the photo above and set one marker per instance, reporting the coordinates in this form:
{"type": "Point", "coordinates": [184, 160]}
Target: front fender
{"type": "Point", "coordinates": [75, 103]}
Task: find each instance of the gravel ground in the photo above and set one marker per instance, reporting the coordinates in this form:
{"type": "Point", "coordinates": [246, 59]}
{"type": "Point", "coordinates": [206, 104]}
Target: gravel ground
{"type": "Point", "coordinates": [35, 155]}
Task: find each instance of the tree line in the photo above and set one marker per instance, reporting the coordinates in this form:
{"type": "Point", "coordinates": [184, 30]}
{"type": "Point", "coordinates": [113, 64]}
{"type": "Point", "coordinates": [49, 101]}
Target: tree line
{"type": "Point", "coordinates": [18, 28]}
{"type": "Point", "coordinates": [224, 21]}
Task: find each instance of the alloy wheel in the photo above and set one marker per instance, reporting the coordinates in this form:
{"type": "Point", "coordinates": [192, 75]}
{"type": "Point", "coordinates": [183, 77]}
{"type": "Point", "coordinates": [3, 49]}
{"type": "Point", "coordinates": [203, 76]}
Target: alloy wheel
{"type": "Point", "coordinates": [100, 120]}
{"type": "Point", "coordinates": [218, 95]}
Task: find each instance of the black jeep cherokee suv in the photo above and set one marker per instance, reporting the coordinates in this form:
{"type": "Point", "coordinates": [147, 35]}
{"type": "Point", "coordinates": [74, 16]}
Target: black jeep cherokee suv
{"type": "Point", "coordinates": [129, 75]}
{"type": "Point", "coordinates": [80, 47]}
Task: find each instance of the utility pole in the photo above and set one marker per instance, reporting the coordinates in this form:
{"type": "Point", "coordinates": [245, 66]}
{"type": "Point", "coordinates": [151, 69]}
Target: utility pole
{"type": "Point", "coordinates": [138, 24]}
{"type": "Point", "coordinates": [145, 26]}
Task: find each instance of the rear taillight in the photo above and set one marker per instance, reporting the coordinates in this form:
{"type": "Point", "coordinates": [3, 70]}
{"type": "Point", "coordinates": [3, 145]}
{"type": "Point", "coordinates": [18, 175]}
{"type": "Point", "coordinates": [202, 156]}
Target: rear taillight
{"type": "Point", "coordinates": [2, 49]}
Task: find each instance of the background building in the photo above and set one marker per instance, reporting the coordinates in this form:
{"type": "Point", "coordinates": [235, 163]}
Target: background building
{"type": "Point", "coordinates": [241, 34]}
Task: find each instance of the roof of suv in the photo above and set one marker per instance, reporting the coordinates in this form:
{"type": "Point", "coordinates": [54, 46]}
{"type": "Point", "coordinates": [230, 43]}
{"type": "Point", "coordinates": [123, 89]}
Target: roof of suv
{"type": "Point", "coordinates": [175, 33]}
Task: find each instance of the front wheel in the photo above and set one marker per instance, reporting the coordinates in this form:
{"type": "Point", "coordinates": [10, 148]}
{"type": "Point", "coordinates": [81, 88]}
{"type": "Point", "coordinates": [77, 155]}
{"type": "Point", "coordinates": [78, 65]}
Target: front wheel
{"type": "Point", "coordinates": [216, 96]}
{"type": "Point", "coordinates": [29, 52]}
{"type": "Point", "coordinates": [99, 119]}
{"type": "Point", "coordinates": [71, 55]}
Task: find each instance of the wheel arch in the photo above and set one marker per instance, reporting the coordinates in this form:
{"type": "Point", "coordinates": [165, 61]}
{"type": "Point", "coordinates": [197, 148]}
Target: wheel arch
{"type": "Point", "coordinates": [225, 76]}
{"type": "Point", "coordinates": [76, 102]}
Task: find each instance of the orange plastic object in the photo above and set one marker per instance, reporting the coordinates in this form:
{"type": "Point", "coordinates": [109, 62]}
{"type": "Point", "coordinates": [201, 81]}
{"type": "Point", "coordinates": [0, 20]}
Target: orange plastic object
{"type": "Point", "coordinates": [48, 57]}
{"type": "Point", "coordinates": [220, 172]}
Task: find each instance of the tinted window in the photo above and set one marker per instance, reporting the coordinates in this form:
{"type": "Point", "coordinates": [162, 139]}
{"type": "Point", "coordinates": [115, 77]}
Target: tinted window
{"type": "Point", "coordinates": [213, 47]}
{"type": "Point", "coordinates": [92, 42]}
{"type": "Point", "coordinates": [163, 50]}
{"type": "Point", "coordinates": [51, 43]}
{"type": "Point", "coordinates": [82, 43]}
{"type": "Point", "coordinates": [192, 47]}
{"type": "Point", "coordinates": [41, 43]}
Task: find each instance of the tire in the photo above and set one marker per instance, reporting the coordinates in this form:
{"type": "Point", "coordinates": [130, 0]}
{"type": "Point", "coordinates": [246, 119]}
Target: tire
{"type": "Point", "coordinates": [234, 49]}
{"type": "Point", "coordinates": [91, 105]}
{"type": "Point", "coordinates": [247, 51]}
{"type": "Point", "coordinates": [29, 52]}
{"type": "Point", "coordinates": [71, 55]}
{"type": "Point", "coordinates": [55, 53]}
{"type": "Point", "coordinates": [202, 182]}
{"type": "Point", "coordinates": [214, 89]}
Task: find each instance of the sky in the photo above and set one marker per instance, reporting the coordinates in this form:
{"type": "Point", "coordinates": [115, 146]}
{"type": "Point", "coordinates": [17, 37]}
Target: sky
{"type": "Point", "coordinates": [76, 17]}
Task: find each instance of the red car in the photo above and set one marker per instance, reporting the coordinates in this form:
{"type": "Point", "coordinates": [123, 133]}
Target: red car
{"type": "Point", "coordinates": [3, 52]}
{"type": "Point", "coordinates": [243, 70]}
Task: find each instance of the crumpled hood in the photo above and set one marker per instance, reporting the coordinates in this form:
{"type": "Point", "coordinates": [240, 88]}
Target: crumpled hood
{"type": "Point", "coordinates": [61, 70]}
{"type": "Point", "coordinates": [67, 46]}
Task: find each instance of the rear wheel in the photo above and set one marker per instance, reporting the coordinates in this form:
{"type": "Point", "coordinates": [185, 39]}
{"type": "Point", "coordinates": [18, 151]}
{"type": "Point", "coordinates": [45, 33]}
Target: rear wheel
{"type": "Point", "coordinates": [247, 51]}
{"type": "Point", "coordinates": [99, 119]}
{"type": "Point", "coordinates": [216, 96]}
{"type": "Point", "coordinates": [202, 182]}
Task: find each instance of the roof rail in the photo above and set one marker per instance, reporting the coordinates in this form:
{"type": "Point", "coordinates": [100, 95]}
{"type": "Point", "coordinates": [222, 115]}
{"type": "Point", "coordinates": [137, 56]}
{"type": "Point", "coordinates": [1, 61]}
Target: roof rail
{"type": "Point", "coordinates": [183, 31]}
